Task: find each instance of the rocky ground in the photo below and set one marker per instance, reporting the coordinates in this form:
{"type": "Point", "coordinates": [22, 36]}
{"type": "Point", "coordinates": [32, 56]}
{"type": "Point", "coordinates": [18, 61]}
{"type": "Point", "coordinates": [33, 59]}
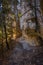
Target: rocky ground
{"type": "Point", "coordinates": [23, 56]}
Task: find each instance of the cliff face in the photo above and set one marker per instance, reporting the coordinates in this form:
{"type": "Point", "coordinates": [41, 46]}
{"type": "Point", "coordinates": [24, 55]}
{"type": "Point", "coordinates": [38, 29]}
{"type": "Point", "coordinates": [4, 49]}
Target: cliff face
{"type": "Point", "coordinates": [29, 11]}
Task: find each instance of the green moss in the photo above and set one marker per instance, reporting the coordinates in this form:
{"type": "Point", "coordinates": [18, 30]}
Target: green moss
{"type": "Point", "coordinates": [19, 15]}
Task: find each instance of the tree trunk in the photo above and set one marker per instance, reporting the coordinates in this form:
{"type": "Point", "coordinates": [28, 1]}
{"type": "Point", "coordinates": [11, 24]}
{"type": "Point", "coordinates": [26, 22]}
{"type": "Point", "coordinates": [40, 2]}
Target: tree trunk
{"type": "Point", "coordinates": [17, 21]}
{"type": "Point", "coordinates": [36, 20]}
{"type": "Point", "coordinates": [4, 25]}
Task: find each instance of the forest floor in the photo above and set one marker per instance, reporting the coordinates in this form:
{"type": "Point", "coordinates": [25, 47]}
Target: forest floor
{"type": "Point", "coordinates": [20, 56]}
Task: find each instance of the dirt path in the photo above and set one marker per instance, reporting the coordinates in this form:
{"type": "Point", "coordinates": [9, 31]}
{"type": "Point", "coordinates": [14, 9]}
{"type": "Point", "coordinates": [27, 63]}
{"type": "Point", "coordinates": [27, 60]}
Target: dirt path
{"type": "Point", "coordinates": [20, 56]}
